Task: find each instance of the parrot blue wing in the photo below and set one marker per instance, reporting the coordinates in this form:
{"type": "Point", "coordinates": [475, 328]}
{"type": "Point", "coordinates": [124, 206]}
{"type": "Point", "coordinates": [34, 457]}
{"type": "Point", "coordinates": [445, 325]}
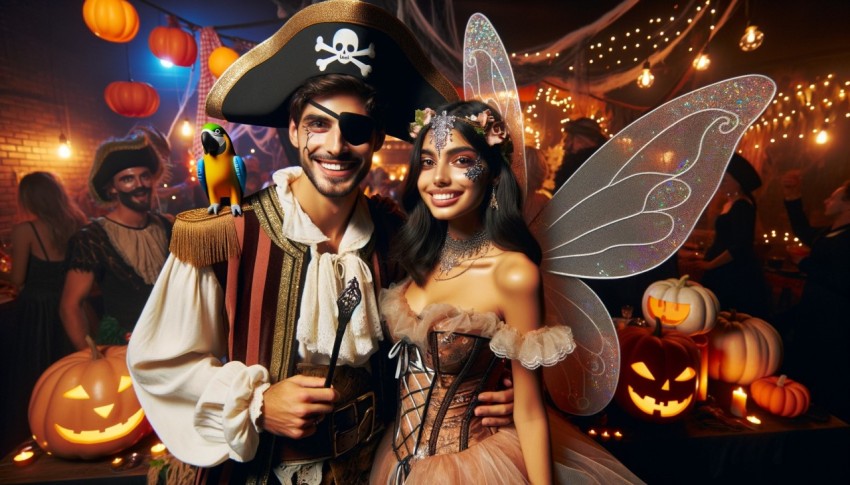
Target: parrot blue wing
{"type": "Point", "coordinates": [241, 172]}
{"type": "Point", "coordinates": [202, 176]}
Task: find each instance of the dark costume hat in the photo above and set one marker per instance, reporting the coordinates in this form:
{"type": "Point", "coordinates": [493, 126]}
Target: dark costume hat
{"type": "Point", "coordinates": [142, 147]}
{"type": "Point", "coordinates": [586, 127]}
{"type": "Point", "coordinates": [332, 37]}
{"type": "Point", "coordinates": [743, 172]}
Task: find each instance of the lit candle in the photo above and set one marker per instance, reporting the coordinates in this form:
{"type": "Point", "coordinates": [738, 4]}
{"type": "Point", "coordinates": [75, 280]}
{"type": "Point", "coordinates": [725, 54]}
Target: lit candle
{"type": "Point", "coordinates": [117, 462]}
{"type": "Point", "coordinates": [592, 432]}
{"type": "Point", "coordinates": [605, 435]}
{"type": "Point", "coordinates": [754, 420]}
{"type": "Point", "coordinates": [739, 403]}
{"type": "Point", "coordinates": [701, 342]}
{"type": "Point", "coordinates": [158, 450]}
{"type": "Point", "coordinates": [618, 435]}
{"type": "Point", "coordinates": [24, 458]}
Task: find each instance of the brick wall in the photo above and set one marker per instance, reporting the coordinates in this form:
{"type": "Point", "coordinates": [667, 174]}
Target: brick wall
{"type": "Point", "coordinates": [40, 98]}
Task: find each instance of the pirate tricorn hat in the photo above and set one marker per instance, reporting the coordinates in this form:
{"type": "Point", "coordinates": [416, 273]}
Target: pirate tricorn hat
{"type": "Point", "coordinates": [335, 36]}
{"type": "Point", "coordinates": [142, 147]}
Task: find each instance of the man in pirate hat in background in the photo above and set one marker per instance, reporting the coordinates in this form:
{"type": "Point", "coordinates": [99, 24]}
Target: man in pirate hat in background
{"type": "Point", "coordinates": [264, 292]}
{"type": "Point", "coordinates": [584, 137]}
{"type": "Point", "coordinates": [123, 251]}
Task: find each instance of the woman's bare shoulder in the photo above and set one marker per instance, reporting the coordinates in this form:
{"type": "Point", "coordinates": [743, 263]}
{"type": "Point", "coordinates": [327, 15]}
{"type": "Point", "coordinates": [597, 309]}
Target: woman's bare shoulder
{"type": "Point", "coordinates": [516, 275]}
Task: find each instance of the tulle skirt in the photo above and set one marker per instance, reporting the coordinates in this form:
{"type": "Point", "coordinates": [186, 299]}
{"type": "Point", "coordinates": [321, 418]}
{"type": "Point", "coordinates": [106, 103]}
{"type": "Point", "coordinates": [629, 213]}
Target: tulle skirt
{"type": "Point", "coordinates": [498, 459]}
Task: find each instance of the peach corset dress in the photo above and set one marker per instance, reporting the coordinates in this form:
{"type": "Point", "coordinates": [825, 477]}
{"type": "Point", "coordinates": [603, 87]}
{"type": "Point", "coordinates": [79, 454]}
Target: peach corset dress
{"type": "Point", "coordinates": [445, 357]}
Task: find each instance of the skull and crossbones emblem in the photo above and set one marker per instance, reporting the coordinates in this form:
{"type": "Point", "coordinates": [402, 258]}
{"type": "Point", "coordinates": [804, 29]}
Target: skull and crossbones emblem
{"type": "Point", "coordinates": [345, 50]}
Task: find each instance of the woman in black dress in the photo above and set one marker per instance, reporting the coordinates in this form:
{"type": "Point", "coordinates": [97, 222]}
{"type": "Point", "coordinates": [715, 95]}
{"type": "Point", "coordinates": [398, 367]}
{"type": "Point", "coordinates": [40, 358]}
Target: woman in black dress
{"type": "Point", "coordinates": [732, 269]}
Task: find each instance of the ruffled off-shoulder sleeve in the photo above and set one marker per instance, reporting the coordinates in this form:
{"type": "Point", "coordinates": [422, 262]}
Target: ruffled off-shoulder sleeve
{"type": "Point", "coordinates": [545, 346]}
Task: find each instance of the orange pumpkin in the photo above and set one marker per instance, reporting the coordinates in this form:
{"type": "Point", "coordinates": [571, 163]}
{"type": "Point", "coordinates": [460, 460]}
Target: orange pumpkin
{"type": "Point", "coordinates": [680, 305]}
{"type": "Point", "coordinates": [112, 20]}
{"type": "Point", "coordinates": [131, 99]}
{"type": "Point", "coordinates": [781, 396]}
{"type": "Point", "coordinates": [743, 348]}
{"type": "Point", "coordinates": [83, 406]}
{"type": "Point", "coordinates": [220, 59]}
{"type": "Point", "coordinates": [173, 44]}
{"type": "Point", "coordinates": [658, 373]}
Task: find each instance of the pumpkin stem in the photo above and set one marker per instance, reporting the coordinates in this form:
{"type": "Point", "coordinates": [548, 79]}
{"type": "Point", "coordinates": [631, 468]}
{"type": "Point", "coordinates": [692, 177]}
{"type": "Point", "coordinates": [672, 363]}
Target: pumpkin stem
{"type": "Point", "coordinates": [682, 281]}
{"type": "Point", "coordinates": [657, 331]}
{"type": "Point", "coordinates": [781, 381]}
{"type": "Point", "coordinates": [95, 353]}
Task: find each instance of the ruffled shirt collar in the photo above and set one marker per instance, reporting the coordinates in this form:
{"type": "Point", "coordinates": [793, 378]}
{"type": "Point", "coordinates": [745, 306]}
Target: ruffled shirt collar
{"type": "Point", "coordinates": [327, 275]}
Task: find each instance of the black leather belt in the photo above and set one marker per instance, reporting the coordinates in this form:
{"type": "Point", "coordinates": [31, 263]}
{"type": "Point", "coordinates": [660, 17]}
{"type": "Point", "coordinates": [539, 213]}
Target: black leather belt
{"type": "Point", "coordinates": [353, 423]}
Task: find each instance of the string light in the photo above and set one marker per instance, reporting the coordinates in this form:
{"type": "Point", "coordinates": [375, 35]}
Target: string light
{"type": "Point", "coordinates": [702, 61]}
{"type": "Point", "coordinates": [64, 149]}
{"type": "Point", "coordinates": [804, 113]}
{"type": "Point", "coordinates": [186, 128]}
{"type": "Point", "coordinates": [752, 39]}
{"type": "Point", "coordinates": [646, 78]}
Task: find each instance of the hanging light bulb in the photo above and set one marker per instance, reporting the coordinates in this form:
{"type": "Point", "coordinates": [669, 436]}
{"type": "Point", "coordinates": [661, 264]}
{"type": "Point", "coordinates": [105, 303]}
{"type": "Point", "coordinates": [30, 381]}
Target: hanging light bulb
{"type": "Point", "coordinates": [645, 79]}
{"type": "Point", "coordinates": [64, 149]}
{"type": "Point", "coordinates": [186, 128]}
{"type": "Point", "coordinates": [702, 61]}
{"type": "Point", "coordinates": [752, 39]}
{"type": "Point", "coordinates": [822, 137]}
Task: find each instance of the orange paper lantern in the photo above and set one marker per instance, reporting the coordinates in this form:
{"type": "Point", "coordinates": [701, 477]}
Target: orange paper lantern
{"type": "Point", "coordinates": [173, 44]}
{"type": "Point", "coordinates": [83, 406]}
{"type": "Point", "coordinates": [131, 99]}
{"type": "Point", "coordinates": [112, 20]}
{"type": "Point", "coordinates": [220, 59]}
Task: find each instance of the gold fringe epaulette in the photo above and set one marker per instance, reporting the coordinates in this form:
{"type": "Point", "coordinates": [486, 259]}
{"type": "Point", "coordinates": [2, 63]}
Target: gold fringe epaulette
{"type": "Point", "coordinates": [202, 239]}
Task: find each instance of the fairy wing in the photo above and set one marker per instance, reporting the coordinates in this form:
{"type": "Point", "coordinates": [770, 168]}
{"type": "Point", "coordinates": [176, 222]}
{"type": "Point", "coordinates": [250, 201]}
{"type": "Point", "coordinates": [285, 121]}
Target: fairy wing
{"type": "Point", "coordinates": [488, 77]}
{"type": "Point", "coordinates": [625, 211]}
{"type": "Point", "coordinates": [635, 201]}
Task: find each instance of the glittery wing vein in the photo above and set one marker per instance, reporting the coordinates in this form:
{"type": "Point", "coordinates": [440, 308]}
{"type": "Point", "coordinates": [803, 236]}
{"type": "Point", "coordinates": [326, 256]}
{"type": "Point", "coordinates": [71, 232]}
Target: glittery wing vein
{"type": "Point", "coordinates": [488, 77]}
{"type": "Point", "coordinates": [632, 204]}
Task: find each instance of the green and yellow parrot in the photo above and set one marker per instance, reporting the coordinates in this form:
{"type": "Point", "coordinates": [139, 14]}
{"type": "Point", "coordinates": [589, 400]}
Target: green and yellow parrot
{"type": "Point", "coordinates": [221, 172]}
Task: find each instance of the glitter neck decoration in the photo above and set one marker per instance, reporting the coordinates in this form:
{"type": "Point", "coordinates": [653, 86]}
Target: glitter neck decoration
{"type": "Point", "coordinates": [458, 251]}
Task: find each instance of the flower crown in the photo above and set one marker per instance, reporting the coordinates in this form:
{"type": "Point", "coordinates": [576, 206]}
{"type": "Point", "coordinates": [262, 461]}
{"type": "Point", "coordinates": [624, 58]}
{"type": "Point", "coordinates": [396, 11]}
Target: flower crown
{"type": "Point", "coordinates": [484, 123]}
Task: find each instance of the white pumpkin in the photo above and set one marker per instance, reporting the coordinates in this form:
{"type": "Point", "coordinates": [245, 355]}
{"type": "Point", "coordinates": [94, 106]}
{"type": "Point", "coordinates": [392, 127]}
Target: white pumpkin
{"type": "Point", "coordinates": [680, 305]}
{"type": "Point", "coordinates": [743, 348]}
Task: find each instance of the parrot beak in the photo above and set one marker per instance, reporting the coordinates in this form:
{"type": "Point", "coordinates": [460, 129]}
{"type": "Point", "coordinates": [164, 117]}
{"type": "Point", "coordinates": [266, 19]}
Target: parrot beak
{"type": "Point", "coordinates": [209, 143]}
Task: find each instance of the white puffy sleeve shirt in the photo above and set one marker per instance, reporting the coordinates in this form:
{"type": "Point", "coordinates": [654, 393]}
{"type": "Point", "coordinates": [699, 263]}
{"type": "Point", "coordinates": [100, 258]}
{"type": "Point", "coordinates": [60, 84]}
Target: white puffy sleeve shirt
{"type": "Point", "coordinates": [204, 411]}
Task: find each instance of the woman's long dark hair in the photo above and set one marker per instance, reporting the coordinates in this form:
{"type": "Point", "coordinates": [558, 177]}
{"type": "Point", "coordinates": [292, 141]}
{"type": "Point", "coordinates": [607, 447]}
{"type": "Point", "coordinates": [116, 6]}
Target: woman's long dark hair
{"type": "Point", "coordinates": [43, 196]}
{"type": "Point", "coordinates": [418, 244]}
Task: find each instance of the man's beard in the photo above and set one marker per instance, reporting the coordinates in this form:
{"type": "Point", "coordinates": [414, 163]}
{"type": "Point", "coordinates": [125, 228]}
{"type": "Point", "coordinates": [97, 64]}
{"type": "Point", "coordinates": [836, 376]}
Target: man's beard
{"type": "Point", "coordinates": [327, 185]}
{"type": "Point", "coordinates": [126, 199]}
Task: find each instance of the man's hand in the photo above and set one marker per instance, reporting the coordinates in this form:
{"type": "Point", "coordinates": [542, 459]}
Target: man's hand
{"type": "Point", "coordinates": [497, 406]}
{"type": "Point", "coordinates": [295, 406]}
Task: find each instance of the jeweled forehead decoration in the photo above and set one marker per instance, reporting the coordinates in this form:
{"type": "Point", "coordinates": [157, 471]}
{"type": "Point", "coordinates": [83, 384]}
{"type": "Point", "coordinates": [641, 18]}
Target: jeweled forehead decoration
{"type": "Point", "coordinates": [442, 130]}
{"type": "Point", "coordinates": [494, 132]}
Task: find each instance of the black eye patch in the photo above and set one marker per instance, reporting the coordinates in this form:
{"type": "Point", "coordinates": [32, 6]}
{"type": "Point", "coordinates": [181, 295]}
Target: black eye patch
{"type": "Point", "coordinates": [355, 128]}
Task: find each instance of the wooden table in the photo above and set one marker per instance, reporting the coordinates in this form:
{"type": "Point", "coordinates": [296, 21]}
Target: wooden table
{"type": "Point", "coordinates": [706, 449]}
{"type": "Point", "coordinates": [47, 469]}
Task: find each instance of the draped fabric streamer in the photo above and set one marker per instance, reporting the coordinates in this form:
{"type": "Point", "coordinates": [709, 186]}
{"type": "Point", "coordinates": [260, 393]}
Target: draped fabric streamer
{"type": "Point", "coordinates": [437, 30]}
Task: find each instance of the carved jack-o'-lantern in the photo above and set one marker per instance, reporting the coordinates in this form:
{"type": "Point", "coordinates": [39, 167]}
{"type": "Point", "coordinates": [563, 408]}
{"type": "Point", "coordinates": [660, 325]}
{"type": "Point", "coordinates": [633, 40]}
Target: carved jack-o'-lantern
{"type": "Point", "coordinates": [658, 374]}
{"type": "Point", "coordinates": [680, 305]}
{"type": "Point", "coordinates": [83, 406]}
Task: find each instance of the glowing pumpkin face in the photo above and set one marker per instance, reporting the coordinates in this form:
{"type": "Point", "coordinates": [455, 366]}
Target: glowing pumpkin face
{"type": "Point", "coordinates": [83, 406]}
{"type": "Point", "coordinates": [680, 305]}
{"type": "Point", "coordinates": [658, 375]}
